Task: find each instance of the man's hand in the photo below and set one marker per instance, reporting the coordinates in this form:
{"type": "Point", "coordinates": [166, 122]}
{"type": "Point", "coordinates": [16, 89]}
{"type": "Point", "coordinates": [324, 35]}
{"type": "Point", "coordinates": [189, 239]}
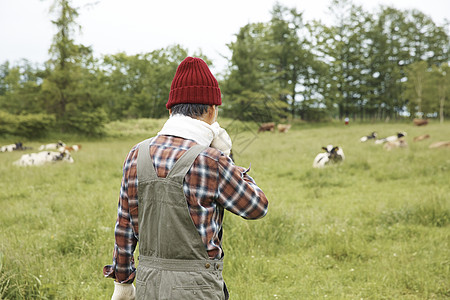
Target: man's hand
{"type": "Point", "coordinates": [123, 291]}
{"type": "Point", "coordinates": [222, 141]}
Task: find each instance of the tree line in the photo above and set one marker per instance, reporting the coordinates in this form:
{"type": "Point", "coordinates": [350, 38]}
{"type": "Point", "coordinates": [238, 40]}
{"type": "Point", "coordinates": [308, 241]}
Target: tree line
{"type": "Point", "coordinates": [390, 63]}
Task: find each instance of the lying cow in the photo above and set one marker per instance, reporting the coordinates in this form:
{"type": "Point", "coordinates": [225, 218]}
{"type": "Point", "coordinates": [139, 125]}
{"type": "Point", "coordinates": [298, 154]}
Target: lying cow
{"type": "Point", "coordinates": [443, 144]}
{"type": "Point", "coordinates": [421, 137]}
{"type": "Point", "coordinates": [73, 148]}
{"type": "Point", "coordinates": [391, 138]}
{"type": "Point", "coordinates": [13, 147]}
{"type": "Point", "coordinates": [43, 157]}
{"type": "Point", "coordinates": [283, 127]}
{"type": "Point", "coordinates": [266, 127]}
{"type": "Point", "coordinates": [368, 137]}
{"type": "Point", "coordinates": [420, 122]}
{"type": "Point", "coordinates": [395, 144]}
{"type": "Point", "coordinates": [54, 146]}
{"type": "Point", "coordinates": [8, 148]}
{"type": "Point", "coordinates": [330, 156]}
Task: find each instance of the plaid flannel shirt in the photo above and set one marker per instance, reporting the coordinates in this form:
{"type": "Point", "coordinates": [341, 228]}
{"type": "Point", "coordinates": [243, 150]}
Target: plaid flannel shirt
{"type": "Point", "coordinates": [212, 184]}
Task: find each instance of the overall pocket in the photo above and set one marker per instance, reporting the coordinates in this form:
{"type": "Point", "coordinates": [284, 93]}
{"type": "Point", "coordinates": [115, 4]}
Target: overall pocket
{"type": "Point", "coordinates": [147, 281]}
{"type": "Point", "coordinates": [141, 289]}
{"type": "Point", "coordinates": [194, 292]}
{"type": "Point", "coordinates": [193, 285]}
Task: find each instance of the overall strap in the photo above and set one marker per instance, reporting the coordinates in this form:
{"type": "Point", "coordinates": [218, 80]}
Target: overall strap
{"type": "Point", "coordinates": [145, 169]}
{"type": "Point", "coordinates": [184, 163]}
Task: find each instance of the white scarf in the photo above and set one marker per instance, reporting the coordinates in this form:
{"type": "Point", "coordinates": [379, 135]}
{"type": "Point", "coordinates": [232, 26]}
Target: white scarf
{"type": "Point", "coordinates": [189, 128]}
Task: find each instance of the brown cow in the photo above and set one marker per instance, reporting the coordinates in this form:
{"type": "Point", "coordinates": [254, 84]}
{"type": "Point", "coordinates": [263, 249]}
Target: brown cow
{"type": "Point", "coordinates": [420, 122]}
{"type": "Point", "coordinates": [440, 145]}
{"type": "Point", "coordinates": [421, 137]}
{"type": "Point", "coordinates": [73, 148]}
{"type": "Point", "coordinates": [267, 127]}
{"type": "Point", "coordinates": [283, 127]}
{"type": "Point", "coordinates": [395, 144]}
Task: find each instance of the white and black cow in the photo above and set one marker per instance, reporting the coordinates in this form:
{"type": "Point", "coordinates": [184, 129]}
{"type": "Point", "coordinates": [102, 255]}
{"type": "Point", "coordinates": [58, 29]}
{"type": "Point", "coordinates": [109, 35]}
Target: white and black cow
{"type": "Point", "coordinates": [330, 156]}
{"type": "Point", "coordinates": [43, 157]}
{"type": "Point", "coordinates": [54, 146]}
{"type": "Point", "coordinates": [391, 138]}
{"type": "Point", "coordinates": [369, 137]}
{"type": "Point", "coordinates": [8, 148]}
{"type": "Point", "coordinates": [13, 147]}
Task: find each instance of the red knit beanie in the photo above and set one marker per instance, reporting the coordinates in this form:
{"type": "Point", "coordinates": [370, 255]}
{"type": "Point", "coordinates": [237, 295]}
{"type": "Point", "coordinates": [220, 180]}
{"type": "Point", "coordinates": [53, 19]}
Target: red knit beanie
{"type": "Point", "coordinates": [194, 83]}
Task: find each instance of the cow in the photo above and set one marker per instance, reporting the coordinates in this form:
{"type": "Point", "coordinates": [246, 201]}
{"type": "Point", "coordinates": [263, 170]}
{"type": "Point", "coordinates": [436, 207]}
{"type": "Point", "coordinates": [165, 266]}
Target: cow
{"type": "Point", "coordinates": [421, 137]}
{"type": "Point", "coordinates": [283, 127]}
{"type": "Point", "coordinates": [14, 147]}
{"type": "Point", "coordinates": [266, 127]}
{"type": "Point", "coordinates": [444, 144]}
{"type": "Point", "coordinates": [395, 144]}
{"type": "Point", "coordinates": [391, 138]}
{"type": "Point", "coordinates": [330, 156]}
{"type": "Point", "coordinates": [373, 135]}
{"type": "Point", "coordinates": [43, 157]}
{"type": "Point", "coordinates": [73, 148]}
{"type": "Point", "coordinates": [420, 122]}
{"type": "Point", "coordinates": [54, 146]}
{"type": "Point", "coordinates": [8, 148]}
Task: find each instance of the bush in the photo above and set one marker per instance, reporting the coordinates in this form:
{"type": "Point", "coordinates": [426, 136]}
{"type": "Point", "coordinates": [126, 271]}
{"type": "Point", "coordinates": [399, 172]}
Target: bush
{"type": "Point", "coordinates": [134, 127]}
{"type": "Point", "coordinates": [7, 123]}
{"type": "Point", "coordinates": [88, 123]}
{"type": "Point", "coordinates": [31, 125]}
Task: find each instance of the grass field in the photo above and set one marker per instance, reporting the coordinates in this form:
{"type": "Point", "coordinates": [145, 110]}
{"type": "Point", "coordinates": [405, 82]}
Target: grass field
{"type": "Point", "coordinates": [375, 227]}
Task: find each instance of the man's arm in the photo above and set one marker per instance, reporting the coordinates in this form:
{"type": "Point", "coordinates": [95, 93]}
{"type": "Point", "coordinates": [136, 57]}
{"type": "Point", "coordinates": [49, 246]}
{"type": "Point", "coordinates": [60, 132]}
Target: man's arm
{"type": "Point", "coordinates": [238, 192]}
{"type": "Point", "coordinates": [123, 269]}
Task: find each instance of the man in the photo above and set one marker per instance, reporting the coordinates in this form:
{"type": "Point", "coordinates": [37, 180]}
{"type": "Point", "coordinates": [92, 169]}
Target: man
{"type": "Point", "coordinates": [174, 190]}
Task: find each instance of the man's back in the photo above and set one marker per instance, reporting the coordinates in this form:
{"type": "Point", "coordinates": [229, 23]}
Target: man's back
{"type": "Point", "coordinates": [212, 184]}
{"type": "Point", "coordinates": [173, 262]}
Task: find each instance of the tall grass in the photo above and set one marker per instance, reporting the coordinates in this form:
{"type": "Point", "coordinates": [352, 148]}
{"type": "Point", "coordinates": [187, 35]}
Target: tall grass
{"type": "Point", "coordinates": [373, 227]}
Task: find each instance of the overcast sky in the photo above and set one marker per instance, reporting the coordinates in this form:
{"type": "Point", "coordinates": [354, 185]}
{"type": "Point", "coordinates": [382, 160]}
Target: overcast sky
{"type": "Point", "coordinates": [140, 26]}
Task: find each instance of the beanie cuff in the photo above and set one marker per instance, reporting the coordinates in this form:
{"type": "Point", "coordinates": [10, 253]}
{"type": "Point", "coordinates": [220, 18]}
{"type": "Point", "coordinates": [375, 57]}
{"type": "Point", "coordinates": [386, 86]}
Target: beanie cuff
{"type": "Point", "coordinates": [207, 95]}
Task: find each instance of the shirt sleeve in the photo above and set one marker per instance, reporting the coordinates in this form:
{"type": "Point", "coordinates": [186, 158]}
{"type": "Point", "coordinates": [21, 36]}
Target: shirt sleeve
{"type": "Point", "coordinates": [126, 235]}
{"type": "Point", "coordinates": [238, 192]}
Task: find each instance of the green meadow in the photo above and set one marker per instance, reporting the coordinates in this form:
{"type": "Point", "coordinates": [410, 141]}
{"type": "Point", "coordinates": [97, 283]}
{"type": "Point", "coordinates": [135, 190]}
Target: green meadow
{"type": "Point", "coordinates": [376, 226]}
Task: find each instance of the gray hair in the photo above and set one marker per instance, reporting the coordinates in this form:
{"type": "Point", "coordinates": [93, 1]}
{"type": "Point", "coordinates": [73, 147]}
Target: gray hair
{"type": "Point", "coordinates": [190, 110]}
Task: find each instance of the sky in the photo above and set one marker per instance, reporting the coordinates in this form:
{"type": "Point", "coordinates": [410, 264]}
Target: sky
{"type": "Point", "coordinates": [141, 26]}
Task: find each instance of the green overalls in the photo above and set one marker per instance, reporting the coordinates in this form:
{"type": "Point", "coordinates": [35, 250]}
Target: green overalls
{"type": "Point", "coordinates": [173, 262]}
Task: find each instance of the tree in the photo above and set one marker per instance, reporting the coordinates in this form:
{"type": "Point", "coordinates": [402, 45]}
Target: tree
{"type": "Point", "coordinates": [440, 90]}
{"type": "Point", "coordinates": [273, 70]}
{"type": "Point", "coordinates": [427, 89]}
{"type": "Point", "coordinates": [62, 68]}
{"type": "Point", "coordinates": [250, 89]}
{"type": "Point", "coordinates": [291, 59]}
{"type": "Point", "coordinates": [66, 87]}
{"type": "Point", "coordinates": [417, 74]}
{"type": "Point", "coordinates": [20, 88]}
{"type": "Point", "coordinates": [138, 86]}
{"type": "Point", "coordinates": [343, 47]}
{"type": "Point", "coordinates": [400, 38]}
{"type": "Point", "coordinates": [159, 67]}
{"type": "Point", "coordinates": [4, 71]}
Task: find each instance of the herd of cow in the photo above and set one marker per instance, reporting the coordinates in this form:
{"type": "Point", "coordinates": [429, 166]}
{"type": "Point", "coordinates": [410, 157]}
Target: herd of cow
{"type": "Point", "coordinates": [335, 154]}
{"type": "Point", "coordinates": [331, 155]}
{"type": "Point", "coordinates": [62, 153]}
{"type": "Point", "coordinates": [271, 127]}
